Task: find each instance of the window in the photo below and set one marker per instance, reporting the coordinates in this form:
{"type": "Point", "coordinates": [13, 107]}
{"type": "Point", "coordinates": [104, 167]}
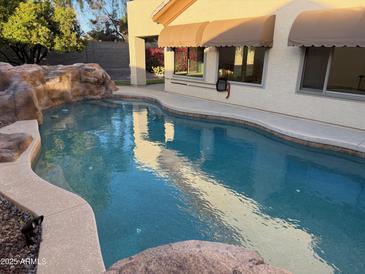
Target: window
{"type": "Point", "coordinates": [347, 71]}
{"type": "Point", "coordinates": [334, 70]}
{"type": "Point", "coordinates": [242, 64]}
{"type": "Point", "coordinates": [315, 68]}
{"type": "Point", "coordinates": [189, 61]}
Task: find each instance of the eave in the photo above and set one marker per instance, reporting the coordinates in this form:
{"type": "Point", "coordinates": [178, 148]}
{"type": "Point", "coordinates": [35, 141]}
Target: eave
{"type": "Point", "coordinates": [169, 10]}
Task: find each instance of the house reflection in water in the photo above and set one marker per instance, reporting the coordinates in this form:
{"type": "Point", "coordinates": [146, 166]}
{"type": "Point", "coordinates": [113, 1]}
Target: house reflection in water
{"type": "Point", "coordinates": [275, 239]}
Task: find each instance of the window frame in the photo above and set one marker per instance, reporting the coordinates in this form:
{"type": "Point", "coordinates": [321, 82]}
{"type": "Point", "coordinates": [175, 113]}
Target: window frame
{"type": "Point", "coordinates": [187, 76]}
{"type": "Point", "coordinates": [324, 92]}
{"type": "Point", "coordinates": [262, 85]}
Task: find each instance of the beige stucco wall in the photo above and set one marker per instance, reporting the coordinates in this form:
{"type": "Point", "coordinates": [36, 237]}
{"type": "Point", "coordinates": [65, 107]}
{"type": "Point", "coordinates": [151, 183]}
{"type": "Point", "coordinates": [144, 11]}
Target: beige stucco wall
{"type": "Point", "coordinates": [282, 67]}
{"type": "Point", "coordinates": [140, 18]}
{"type": "Point", "coordinates": [140, 25]}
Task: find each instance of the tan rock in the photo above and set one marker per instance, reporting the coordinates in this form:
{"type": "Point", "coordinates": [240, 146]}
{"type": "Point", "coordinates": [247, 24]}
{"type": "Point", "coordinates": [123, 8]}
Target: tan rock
{"type": "Point", "coordinates": [13, 145]}
{"type": "Point", "coordinates": [27, 90]}
{"type": "Point", "coordinates": [195, 257]}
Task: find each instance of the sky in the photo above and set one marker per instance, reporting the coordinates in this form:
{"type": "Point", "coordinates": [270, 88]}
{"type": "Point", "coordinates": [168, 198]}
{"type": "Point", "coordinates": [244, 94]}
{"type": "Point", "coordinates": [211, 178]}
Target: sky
{"type": "Point", "coordinates": [84, 17]}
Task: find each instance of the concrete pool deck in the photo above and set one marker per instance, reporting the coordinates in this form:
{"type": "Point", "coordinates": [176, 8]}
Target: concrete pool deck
{"type": "Point", "coordinates": [70, 241]}
{"type": "Point", "coordinates": [299, 130]}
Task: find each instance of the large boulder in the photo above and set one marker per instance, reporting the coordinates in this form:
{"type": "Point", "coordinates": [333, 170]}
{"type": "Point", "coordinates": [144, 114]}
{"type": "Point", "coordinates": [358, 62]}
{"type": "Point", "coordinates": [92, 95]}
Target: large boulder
{"type": "Point", "coordinates": [27, 90]}
{"type": "Point", "coordinates": [13, 145]}
{"type": "Point", "coordinates": [195, 257]}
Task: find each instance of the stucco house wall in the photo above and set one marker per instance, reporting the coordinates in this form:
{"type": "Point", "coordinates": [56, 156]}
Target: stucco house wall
{"type": "Point", "coordinates": [140, 25]}
{"type": "Point", "coordinates": [283, 63]}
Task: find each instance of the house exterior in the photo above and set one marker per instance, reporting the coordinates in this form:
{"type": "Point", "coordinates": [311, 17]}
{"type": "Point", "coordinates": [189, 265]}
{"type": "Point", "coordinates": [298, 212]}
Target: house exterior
{"type": "Point", "coordinates": [301, 58]}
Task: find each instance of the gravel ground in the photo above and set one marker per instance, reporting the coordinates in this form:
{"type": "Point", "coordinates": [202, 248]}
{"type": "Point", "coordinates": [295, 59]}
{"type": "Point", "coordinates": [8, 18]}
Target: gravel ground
{"type": "Point", "coordinates": [15, 255]}
{"type": "Point", "coordinates": [3, 124]}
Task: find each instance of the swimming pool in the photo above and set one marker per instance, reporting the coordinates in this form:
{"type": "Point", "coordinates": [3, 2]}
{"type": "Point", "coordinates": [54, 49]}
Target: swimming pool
{"type": "Point", "coordinates": [153, 179]}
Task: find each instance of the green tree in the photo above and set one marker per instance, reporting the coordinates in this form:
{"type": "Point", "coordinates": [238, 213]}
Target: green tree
{"type": "Point", "coordinates": [34, 28]}
{"type": "Point", "coordinates": [110, 19]}
{"type": "Point", "coordinates": [7, 7]}
{"type": "Point", "coordinates": [103, 31]}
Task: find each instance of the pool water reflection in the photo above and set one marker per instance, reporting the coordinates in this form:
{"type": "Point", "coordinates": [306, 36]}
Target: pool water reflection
{"type": "Point", "coordinates": [153, 179]}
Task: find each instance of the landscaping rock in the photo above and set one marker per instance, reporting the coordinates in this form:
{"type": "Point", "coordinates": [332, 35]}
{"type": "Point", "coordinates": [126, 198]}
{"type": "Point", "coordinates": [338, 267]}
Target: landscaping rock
{"type": "Point", "coordinates": [13, 145]}
{"type": "Point", "coordinates": [195, 257]}
{"type": "Point", "coordinates": [27, 90]}
{"type": "Point", "coordinates": [16, 256]}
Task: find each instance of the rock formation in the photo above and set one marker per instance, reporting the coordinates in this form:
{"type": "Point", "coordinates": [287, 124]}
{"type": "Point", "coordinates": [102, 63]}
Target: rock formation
{"type": "Point", "coordinates": [195, 257]}
{"type": "Point", "coordinates": [27, 90]}
{"type": "Point", "coordinates": [13, 145]}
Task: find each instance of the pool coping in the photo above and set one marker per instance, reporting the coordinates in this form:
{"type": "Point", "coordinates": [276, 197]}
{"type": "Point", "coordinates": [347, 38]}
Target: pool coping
{"type": "Point", "coordinates": [70, 242]}
{"type": "Point", "coordinates": [298, 130]}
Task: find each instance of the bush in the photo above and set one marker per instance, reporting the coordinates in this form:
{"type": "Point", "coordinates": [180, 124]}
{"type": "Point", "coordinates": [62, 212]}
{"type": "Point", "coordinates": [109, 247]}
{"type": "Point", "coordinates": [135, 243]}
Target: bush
{"type": "Point", "coordinates": [158, 71]}
{"type": "Point", "coordinates": [154, 58]}
{"type": "Point", "coordinates": [35, 27]}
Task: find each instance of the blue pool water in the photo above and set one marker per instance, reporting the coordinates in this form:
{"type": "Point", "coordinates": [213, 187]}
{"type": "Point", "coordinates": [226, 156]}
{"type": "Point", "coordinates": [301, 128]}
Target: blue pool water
{"type": "Point", "coordinates": [153, 179]}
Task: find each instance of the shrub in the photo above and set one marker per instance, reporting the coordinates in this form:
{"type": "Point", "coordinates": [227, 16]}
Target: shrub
{"type": "Point", "coordinates": [154, 58]}
{"type": "Point", "coordinates": [35, 27]}
{"type": "Point", "coordinates": [158, 71]}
